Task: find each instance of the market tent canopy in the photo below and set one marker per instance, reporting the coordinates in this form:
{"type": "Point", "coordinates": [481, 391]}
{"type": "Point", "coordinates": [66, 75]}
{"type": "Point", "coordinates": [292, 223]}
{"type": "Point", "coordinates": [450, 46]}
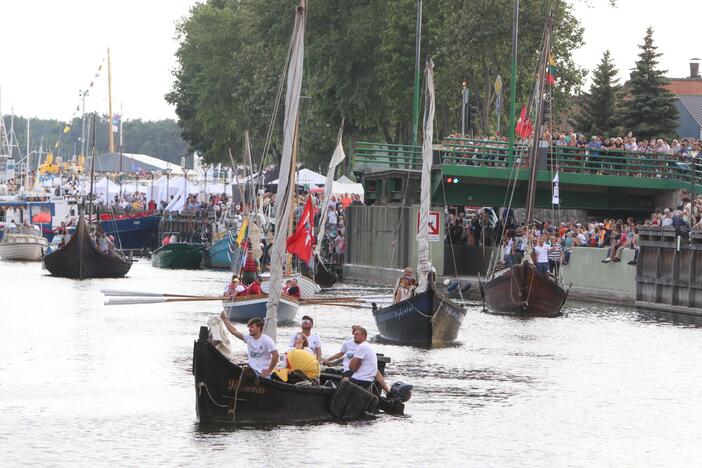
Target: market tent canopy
{"type": "Point", "coordinates": [131, 162]}
{"type": "Point", "coordinates": [340, 188]}
{"type": "Point", "coordinates": [307, 177]}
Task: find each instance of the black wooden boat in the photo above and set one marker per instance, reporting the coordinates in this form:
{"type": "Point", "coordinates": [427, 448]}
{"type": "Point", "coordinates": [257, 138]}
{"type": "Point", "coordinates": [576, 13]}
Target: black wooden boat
{"type": "Point", "coordinates": [79, 258]}
{"type": "Point", "coordinates": [427, 319]}
{"type": "Point", "coordinates": [523, 291]}
{"type": "Point", "coordinates": [232, 393]}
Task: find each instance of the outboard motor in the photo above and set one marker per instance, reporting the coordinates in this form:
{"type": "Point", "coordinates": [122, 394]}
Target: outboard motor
{"type": "Point", "coordinates": [401, 390]}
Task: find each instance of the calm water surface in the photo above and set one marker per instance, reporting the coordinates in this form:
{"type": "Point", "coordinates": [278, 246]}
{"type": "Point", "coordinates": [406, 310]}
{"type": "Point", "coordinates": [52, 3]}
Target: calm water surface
{"type": "Point", "coordinates": [86, 384]}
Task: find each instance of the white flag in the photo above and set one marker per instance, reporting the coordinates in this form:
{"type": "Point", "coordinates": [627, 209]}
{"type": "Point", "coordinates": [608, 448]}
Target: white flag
{"type": "Point", "coordinates": [556, 200]}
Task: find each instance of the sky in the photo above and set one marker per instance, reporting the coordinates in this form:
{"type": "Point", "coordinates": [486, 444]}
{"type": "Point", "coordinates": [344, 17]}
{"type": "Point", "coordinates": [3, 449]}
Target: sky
{"type": "Point", "coordinates": [52, 50]}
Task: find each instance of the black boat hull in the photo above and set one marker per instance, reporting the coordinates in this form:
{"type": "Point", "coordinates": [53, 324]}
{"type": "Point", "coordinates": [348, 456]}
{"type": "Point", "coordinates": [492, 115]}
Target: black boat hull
{"type": "Point", "coordinates": [80, 259]}
{"type": "Point", "coordinates": [427, 319]}
{"type": "Point", "coordinates": [522, 291]}
{"type": "Point", "coordinates": [325, 276]}
{"type": "Point", "coordinates": [232, 394]}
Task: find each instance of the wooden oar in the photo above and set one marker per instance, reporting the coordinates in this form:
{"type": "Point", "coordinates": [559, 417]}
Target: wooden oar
{"type": "Point", "coordinates": [122, 293]}
{"type": "Point", "coordinates": [158, 300]}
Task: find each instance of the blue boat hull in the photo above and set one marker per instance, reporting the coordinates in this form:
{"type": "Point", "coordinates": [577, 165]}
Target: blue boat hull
{"type": "Point", "coordinates": [134, 233]}
{"type": "Point", "coordinates": [217, 254]}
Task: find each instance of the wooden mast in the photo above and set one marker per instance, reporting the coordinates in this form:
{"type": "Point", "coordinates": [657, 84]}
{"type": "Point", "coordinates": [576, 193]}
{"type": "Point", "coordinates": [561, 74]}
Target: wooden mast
{"type": "Point", "coordinates": [292, 192]}
{"type": "Point", "coordinates": [531, 194]}
{"type": "Point", "coordinates": [110, 136]}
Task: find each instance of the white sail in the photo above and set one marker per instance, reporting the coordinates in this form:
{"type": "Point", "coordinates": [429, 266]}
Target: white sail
{"type": "Point", "coordinates": [423, 263]}
{"type": "Point", "coordinates": [336, 159]}
{"type": "Point", "coordinates": [283, 195]}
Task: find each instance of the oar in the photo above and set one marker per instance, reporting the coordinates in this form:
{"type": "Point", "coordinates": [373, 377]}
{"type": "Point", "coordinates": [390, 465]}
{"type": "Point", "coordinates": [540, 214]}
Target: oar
{"type": "Point", "coordinates": [158, 300]}
{"type": "Point", "coordinates": [122, 293]}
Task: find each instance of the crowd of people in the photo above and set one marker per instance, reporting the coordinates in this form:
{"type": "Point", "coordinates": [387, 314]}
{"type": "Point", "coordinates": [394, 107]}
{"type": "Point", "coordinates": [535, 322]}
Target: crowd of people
{"type": "Point", "coordinates": [621, 154]}
{"type": "Point", "coordinates": [553, 243]}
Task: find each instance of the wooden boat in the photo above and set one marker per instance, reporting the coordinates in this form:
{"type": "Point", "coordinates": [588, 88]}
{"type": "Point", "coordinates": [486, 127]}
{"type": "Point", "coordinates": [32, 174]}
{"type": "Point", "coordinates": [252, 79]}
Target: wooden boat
{"type": "Point", "coordinates": [523, 291]}
{"type": "Point", "coordinates": [80, 258]}
{"type": "Point", "coordinates": [427, 319]}
{"type": "Point", "coordinates": [133, 231]}
{"type": "Point", "coordinates": [23, 243]}
{"type": "Point", "coordinates": [178, 255]}
{"type": "Point", "coordinates": [325, 276]}
{"type": "Point", "coordinates": [230, 393]}
{"type": "Point", "coordinates": [244, 308]}
{"type": "Point", "coordinates": [217, 254]}
{"type": "Point", "coordinates": [308, 288]}
{"type": "Point", "coordinates": [520, 289]}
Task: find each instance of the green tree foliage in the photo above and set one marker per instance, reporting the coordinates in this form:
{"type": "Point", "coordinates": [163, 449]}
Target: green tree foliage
{"type": "Point", "coordinates": [599, 105]}
{"type": "Point", "coordinates": [650, 109]}
{"type": "Point", "coordinates": [359, 64]}
{"type": "Point", "coordinates": [160, 139]}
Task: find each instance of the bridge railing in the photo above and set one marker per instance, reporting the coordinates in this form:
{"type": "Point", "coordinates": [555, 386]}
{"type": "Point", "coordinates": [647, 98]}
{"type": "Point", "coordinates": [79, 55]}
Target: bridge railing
{"type": "Point", "coordinates": [387, 155]}
{"type": "Point", "coordinates": [565, 159]}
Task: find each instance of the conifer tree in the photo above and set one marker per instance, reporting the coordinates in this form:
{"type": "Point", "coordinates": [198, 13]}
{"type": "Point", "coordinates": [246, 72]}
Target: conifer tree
{"type": "Point", "coordinates": [650, 108]}
{"type": "Point", "coordinates": [597, 112]}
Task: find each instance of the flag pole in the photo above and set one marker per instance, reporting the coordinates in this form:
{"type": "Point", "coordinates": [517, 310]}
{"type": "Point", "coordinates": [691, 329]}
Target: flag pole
{"type": "Point", "coordinates": [513, 80]}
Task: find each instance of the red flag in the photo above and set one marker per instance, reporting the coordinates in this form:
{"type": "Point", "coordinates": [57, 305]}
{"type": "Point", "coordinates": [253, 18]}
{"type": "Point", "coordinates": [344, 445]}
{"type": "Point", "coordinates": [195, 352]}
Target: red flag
{"type": "Point", "coordinates": [301, 243]}
{"type": "Point", "coordinates": [527, 129]}
{"type": "Point", "coordinates": [520, 123]}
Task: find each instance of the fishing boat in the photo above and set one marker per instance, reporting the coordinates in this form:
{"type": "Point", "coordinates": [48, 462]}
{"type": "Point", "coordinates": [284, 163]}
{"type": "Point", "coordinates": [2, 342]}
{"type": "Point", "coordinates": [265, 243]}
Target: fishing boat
{"type": "Point", "coordinates": [520, 289]}
{"type": "Point", "coordinates": [178, 255]}
{"type": "Point", "coordinates": [133, 231]}
{"type": "Point", "coordinates": [22, 243]}
{"type": "Point", "coordinates": [428, 318]}
{"type": "Point", "coordinates": [217, 254]}
{"type": "Point", "coordinates": [80, 258]}
{"type": "Point", "coordinates": [243, 308]}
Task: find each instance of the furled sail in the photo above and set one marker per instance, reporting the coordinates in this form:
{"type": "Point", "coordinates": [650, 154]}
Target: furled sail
{"type": "Point", "coordinates": [424, 266]}
{"type": "Point", "coordinates": [285, 188]}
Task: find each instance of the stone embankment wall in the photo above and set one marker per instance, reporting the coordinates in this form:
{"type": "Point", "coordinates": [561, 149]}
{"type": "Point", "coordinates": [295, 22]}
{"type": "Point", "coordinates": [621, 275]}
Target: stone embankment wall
{"type": "Point", "coordinates": [592, 280]}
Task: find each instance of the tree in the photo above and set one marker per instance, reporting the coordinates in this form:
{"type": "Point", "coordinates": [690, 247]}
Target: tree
{"type": "Point", "coordinates": [359, 65]}
{"type": "Point", "coordinates": [598, 107]}
{"type": "Point", "coordinates": [650, 109]}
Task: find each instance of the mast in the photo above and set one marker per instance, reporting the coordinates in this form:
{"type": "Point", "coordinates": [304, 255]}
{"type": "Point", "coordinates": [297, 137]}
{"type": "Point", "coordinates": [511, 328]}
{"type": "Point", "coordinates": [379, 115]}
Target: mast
{"type": "Point", "coordinates": [513, 81]}
{"type": "Point", "coordinates": [93, 155]}
{"type": "Point", "coordinates": [283, 208]}
{"type": "Point", "coordinates": [27, 163]}
{"type": "Point", "coordinates": [336, 159]}
{"type": "Point", "coordinates": [292, 193]}
{"type": "Point", "coordinates": [110, 136]}
{"type": "Point", "coordinates": [534, 149]}
{"type": "Point", "coordinates": [424, 266]}
{"type": "Point", "coordinates": [417, 70]}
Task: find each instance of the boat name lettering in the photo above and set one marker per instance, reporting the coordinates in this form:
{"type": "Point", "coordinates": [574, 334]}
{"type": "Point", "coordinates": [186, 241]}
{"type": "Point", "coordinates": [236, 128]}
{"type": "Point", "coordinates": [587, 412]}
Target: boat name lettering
{"type": "Point", "coordinates": [402, 311]}
{"type": "Point", "coordinates": [246, 388]}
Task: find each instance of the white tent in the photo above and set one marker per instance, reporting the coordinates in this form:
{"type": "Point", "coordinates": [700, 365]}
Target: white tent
{"type": "Point", "coordinates": [340, 188]}
{"type": "Point", "coordinates": [307, 177]}
{"type": "Point", "coordinates": [105, 190]}
{"type": "Point", "coordinates": [173, 187]}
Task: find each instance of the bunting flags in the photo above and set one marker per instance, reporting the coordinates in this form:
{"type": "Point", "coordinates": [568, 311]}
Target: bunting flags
{"type": "Point", "coordinates": [300, 243]}
{"type": "Point", "coordinates": [551, 70]}
{"type": "Point", "coordinates": [524, 127]}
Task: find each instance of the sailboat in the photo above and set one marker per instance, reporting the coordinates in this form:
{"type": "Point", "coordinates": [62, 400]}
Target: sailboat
{"type": "Point", "coordinates": [428, 318]}
{"type": "Point", "coordinates": [80, 257]}
{"type": "Point", "coordinates": [227, 392]}
{"type": "Point", "coordinates": [521, 290]}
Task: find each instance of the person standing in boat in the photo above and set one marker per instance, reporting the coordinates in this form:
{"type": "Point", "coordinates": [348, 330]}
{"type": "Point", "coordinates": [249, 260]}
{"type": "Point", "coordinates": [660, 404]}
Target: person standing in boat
{"type": "Point", "coordinates": [250, 269]}
{"type": "Point", "coordinates": [260, 349]}
{"type": "Point", "coordinates": [314, 342]}
{"type": "Point", "coordinates": [541, 253]}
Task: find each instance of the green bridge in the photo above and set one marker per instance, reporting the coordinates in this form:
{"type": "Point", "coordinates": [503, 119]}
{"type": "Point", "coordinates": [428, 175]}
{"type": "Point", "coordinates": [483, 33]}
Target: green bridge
{"type": "Point", "coordinates": [480, 172]}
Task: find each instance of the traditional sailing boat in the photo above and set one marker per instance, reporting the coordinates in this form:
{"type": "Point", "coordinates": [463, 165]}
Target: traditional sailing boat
{"type": "Point", "coordinates": [231, 393]}
{"type": "Point", "coordinates": [521, 290]}
{"type": "Point", "coordinates": [429, 318]}
{"type": "Point", "coordinates": [81, 257]}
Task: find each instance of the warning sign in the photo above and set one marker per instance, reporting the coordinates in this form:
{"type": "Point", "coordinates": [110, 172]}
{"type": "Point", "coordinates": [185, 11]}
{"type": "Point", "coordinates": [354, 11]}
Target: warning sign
{"type": "Point", "coordinates": [434, 226]}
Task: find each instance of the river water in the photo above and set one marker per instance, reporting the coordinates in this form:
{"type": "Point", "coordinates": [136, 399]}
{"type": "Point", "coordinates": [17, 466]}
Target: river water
{"type": "Point", "coordinates": [86, 384]}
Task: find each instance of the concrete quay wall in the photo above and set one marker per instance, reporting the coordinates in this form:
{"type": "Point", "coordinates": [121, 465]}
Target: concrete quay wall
{"type": "Point", "coordinates": [594, 281]}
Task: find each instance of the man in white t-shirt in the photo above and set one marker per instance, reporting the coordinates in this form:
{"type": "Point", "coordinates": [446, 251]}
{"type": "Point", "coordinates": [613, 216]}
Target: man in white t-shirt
{"type": "Point", "coordinates": [314, 342]}
{"type": "Point", "coordinates": [348, 348]}
{"type": "Point", "coordinates": [260, 348]}
{"type": "Point", "coordinates": [364, 363]}
{"type": "Point", "coordinates": [541, 252]}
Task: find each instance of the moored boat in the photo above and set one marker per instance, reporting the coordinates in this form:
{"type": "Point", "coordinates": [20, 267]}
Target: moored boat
{"type": "Point", "coordinates": [22, 243]}
{"type": "Point", "coordinates": [178, 255]}
{"type": "Point", "coordinates": [80, 258]}
{"type": "Point", "coordinates": [426, 319]}
{"type": "Point", "coordinates": [244, 308]}
{"type": "Point", "coordinates": [217, 255]}
{"type": "Point", "coordinates": [325, 276]}
{"type": "Point", "coordinates": [131, 232]}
